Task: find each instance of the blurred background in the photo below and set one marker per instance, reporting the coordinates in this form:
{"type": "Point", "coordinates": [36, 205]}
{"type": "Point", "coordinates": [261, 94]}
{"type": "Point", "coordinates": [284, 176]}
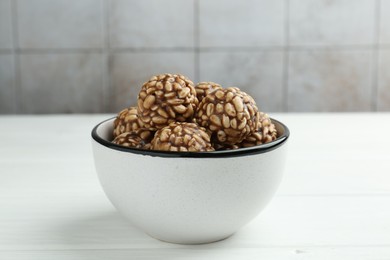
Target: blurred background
{"type": "Point", "coordinates": [92, 56]}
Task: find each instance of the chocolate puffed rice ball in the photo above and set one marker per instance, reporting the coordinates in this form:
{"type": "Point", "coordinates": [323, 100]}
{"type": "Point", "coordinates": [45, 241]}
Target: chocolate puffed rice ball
{"type": "Point", "coordinates": [230, 114]}
{"type": "Point", "coordinates": [182, 137]}
{"type": "Point", "coordinates": [137, 139]}
{"type": "Point", "coordinates": [126, 121]}
{"type": "Point", "coordinates": [165, 99]}
{"type": "Point", "coordinates": [205, 88]}
{"type": "Point", "coordinates": [266, 133]}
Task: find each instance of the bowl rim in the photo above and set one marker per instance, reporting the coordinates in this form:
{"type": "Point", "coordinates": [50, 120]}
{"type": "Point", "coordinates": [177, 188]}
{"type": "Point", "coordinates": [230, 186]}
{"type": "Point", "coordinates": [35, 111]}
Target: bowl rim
{"type": "Point", "coordinates": [258, 149]}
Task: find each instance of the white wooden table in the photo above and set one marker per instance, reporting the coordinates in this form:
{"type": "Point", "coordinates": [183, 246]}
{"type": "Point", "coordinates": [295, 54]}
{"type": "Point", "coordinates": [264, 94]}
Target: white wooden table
{"type": "Point", "coordinates": [334, 202]}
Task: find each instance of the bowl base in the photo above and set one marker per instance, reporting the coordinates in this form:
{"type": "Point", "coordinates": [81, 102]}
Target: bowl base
{"type": "Point", "coordinates": [199, 241]}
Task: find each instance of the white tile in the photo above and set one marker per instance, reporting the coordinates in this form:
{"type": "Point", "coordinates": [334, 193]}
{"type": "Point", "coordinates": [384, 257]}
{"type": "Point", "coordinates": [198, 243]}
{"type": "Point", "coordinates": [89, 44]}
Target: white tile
{"type": "Point", "coordinates": [247, 23]}
{"type": "Point", "coordinates": [60, 23]}
{"type": "Point", "coordinates": [61, 83]}
{"type": "Point", "coordinates": [5, 25]}
{"type": "Point", "coordinates": [334, 81]}
{"type": "Point", "coordinates": [331, 22]}
{"type": "Point", "coordinates": [7, 88]}
{"type": "Point", "coordinates": [384, 81]}
{"type": "Point", "coordinates": [260, 74]}
{"type": "Point", "coordinates": [130, 70]}
{"type": "Point", "coordinates": [385, 22]}
{"type": "Point", "coordinates": [151, 23]}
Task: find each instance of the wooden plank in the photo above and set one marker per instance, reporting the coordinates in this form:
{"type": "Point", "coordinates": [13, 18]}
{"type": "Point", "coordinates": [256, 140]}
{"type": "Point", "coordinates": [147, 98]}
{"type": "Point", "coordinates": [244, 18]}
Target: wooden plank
{"type": "Point", "coordinates": [337, 154]}
{"type": "Point", "coordinates": [86, 220]}
{"type": "Point", "coordinates": [200, 252]}
{"type": "Point", "coordinates": [343, 161]}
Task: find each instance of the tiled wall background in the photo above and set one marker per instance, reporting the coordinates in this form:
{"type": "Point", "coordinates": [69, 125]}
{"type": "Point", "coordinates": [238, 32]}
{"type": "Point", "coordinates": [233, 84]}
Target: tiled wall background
{"type": "Point", "coordinates": [60, 56]}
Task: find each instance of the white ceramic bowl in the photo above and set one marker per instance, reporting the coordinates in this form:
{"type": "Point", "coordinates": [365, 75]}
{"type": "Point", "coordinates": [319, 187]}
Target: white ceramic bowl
{"type": "Point", "coordinates": [187, 197]}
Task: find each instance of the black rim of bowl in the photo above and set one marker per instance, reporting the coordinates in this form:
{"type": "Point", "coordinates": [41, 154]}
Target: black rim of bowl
{"type": "Point", "coordinates": [263, 148]}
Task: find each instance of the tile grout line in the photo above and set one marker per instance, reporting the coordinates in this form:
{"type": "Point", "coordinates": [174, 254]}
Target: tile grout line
{"type": "Point", "coordinates": [241, 48]}
{"type": "Point", "coordinates": [340, 47]}
{"type": "Point", "coordinates": [105, 71]}
{"type": "Point", "coordinates": [16, 58]}
{"type": "Point", "coordinates": [190, 49]}
{"type": "Point", "coordinates": [286, 55]}
{"type": "Point", "coordinates": [196, 41]}
{"type": "Point", "coordinates": [375, 58]}
{"type": "Point", "coordinates": [384, 46]}
{"type": "Point", "coordinates": [7, 51]}
{"type": "Point", "coordinates": [59, 51]}
{"type": "Point", "coordinates": [110, 52]}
